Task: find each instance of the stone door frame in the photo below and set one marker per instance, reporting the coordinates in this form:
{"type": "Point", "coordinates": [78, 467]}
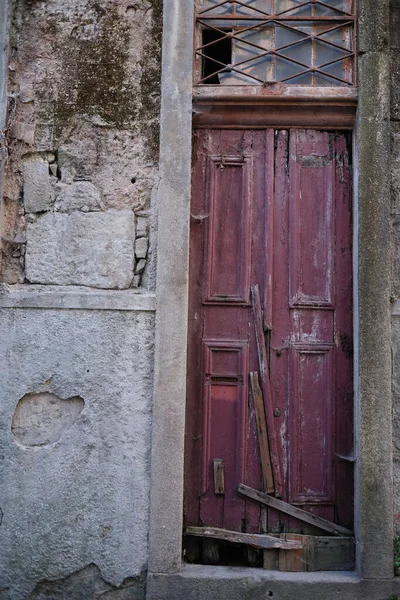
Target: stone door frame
{"type": "Point", "coordinates": [372, 312]}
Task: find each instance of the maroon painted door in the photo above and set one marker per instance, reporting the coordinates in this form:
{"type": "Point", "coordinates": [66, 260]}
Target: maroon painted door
{"type": "Point", "coordinates": [271, 208]}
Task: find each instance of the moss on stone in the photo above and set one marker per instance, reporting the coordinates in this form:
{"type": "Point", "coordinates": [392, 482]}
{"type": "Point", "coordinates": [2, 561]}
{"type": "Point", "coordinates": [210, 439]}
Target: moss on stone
{"type": "Point", "coordinates": [94, 81]}
{"type": "Point", "coordinates": [150, 81]}
{"type": "Point", "coordinates": [97, 78]}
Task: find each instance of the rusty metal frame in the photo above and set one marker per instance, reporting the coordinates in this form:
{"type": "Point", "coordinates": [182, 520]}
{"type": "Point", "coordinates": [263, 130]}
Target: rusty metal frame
{"type": "Point", "coordinates": [258, 19]}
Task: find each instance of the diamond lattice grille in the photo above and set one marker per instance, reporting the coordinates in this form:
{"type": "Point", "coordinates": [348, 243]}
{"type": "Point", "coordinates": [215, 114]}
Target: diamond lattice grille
{"type": "Point", "coordinates": [255, 42]}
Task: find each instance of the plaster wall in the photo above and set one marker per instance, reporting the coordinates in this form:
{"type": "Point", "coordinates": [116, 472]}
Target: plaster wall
{"type": "Point", "coordinates": [81, 498]}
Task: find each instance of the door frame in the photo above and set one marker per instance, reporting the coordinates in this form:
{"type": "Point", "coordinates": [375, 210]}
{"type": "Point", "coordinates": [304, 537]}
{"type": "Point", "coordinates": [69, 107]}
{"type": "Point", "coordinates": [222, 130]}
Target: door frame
{"type": "Point", "coordinates": [372, 308]}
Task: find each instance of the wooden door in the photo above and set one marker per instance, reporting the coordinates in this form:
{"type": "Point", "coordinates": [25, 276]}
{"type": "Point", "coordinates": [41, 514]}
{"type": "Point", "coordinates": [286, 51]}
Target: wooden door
{"type": "Point", "coordinates": [271, 208]}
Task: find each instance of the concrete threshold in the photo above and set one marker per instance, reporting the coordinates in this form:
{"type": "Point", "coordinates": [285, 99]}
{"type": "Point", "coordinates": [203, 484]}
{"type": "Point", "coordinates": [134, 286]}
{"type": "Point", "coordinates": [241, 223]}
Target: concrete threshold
{"type": "Point", "coordinates": [198, 582]}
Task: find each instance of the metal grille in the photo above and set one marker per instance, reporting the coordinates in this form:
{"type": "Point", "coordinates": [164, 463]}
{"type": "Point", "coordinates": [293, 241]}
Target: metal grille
{"type": "Point", "coordinates": [256, 42]}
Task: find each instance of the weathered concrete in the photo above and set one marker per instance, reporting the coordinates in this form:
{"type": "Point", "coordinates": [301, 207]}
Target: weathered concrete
{"type": "Point", "coordinates": [172, 290]}
{"type": "Point", "coordinates": [395, 203]}
{"type": "Point", "coordinates": [84, 498]}
{"type": "Point", "coordinates": [396, 414]}
{"type": "Point", "coordinates": [373, 416]}
{"type": "Point", "coordinates": [88, 583]}
{"type": "Point", "coordinates": [229, 583]}
{"type": "Point", "coordinates": [91, 249]}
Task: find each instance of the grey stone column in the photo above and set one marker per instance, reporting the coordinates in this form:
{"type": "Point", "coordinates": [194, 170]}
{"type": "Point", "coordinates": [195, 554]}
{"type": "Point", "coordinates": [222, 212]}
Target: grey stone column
{"type": "Point", "coordinates": [373, 420]}
{"type": "Point", "coordinates": [4, 43]}
{"type": "Point", "coordinates": [172, 289]}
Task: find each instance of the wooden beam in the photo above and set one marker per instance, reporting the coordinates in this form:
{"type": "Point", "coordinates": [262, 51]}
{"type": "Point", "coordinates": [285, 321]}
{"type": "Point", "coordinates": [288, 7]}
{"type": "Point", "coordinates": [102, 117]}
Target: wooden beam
{"type": "Point", "coordinates": [266, 388]}
{"type": "Point", "coordinates": [263, 443]}
{"type": "Point", "coordinates": [250, 539]}
{"type": "Point", "coordinates": [293, 511]}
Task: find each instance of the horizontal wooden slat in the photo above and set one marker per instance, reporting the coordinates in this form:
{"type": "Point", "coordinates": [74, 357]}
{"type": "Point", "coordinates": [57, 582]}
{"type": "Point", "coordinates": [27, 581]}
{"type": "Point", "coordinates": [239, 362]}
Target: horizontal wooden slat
{"type": "Point", "coordinates": [255, 540]}
{"type": "Point", "coordinates": [293, 511]}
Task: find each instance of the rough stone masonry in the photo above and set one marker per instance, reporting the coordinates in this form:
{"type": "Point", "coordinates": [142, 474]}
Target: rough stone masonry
{"type": "Point", "coordinates": [82, 141]}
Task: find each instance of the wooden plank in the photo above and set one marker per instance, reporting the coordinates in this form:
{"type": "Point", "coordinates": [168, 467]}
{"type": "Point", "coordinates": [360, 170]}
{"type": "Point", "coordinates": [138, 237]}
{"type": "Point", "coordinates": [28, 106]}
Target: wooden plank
{"type": "Point", "coordinates": [293, 511]}
{"type": "Point", "coordinates": [268, 480]}
{"type": "Point", "coordinates": [219, 476]}
{"type": "Point", "coordinates": [318, 553]}
{"type": "Point", "coordinates": [251, 539]}
{"type": "Point", "coordinates": [210, 551]}
{"type": "Point", "coordinates": [334, 554]}
{"type": "Point", "coordinates": [266, 387]}
{"type": "Point", "coordinates": [300, 560]}
{"type": "Point", "coordinates": [271, 559]}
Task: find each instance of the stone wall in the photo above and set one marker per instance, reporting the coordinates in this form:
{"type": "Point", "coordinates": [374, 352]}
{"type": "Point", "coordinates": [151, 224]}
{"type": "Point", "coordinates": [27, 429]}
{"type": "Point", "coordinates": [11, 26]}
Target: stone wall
{"type": "Point", "coordinates": [77, 297]}
{"type": "Point", "coordinates": [82, 142]}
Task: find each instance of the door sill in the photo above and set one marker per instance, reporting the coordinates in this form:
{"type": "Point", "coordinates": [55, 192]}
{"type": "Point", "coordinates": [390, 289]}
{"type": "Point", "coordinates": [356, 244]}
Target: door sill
{"type": "Point", "coordinates": [197, 582]}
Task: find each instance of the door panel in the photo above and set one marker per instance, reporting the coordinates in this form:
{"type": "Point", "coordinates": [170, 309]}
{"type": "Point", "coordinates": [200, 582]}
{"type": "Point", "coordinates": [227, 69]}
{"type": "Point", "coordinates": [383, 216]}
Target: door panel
{"type": "Point", "coordinates": [273, 209]}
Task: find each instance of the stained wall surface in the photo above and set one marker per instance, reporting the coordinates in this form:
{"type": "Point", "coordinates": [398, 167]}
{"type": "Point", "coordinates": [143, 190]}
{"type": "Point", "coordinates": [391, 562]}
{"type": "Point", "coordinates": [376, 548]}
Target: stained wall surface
{"type": "Point", "coordinates": [77, 297]}
{"type": "Point", "coordinates": [395, 205]}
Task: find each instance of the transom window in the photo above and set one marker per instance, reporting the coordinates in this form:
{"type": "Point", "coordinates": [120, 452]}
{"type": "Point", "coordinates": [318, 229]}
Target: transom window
{"type": "Point", "coordinates": [261, 42]}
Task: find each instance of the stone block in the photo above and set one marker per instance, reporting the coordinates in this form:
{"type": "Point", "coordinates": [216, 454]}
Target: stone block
{"type": "Point", "coordinates": [395, 85]}
{"type": "Point", "coordinates": [90, 249]}
{"type": "Point", "coordinates": [141, 227]}
{"type": "Point", "coordinates": [373, 26]}
{"type": "Point", "coordinates": [141, 264]}
{"type": "Point", "coordinates": [38, 191]}
{"type": "Point", "coordinates": [80, 195]}
{"type": "Point", "coordinates": [395, 171]}
{"type": "Point", "coordinates": [396, 418]}
{"type": "Point", "coordinates": [141, 247]}
{"type": "Point", "coordinates": [395, 24]}
{"type": "Point", "coordinates": [396, 252]}
{"type": "Point", "coordinates": [24, 132]}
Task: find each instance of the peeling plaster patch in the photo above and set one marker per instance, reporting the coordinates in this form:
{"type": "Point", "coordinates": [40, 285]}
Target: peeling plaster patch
{"type": "Point", "coordinates": [41, 419]}
{"type": "Point", "coordinates": [88, 584]}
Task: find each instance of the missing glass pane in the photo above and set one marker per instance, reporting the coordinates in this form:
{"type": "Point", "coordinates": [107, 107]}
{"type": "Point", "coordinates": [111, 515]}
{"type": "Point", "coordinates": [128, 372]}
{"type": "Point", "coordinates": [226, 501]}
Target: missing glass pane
{"type": "Point", "coordinates": [217, 54]}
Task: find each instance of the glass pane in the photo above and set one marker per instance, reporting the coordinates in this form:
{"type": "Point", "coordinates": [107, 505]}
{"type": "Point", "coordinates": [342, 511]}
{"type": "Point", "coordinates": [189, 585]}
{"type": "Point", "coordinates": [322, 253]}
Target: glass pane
{"type": "Point", "coordinates": [293, 8]}
{"type": "Point", "coordinates": [336, 10]}
{"type": "Point", "coordinates": [324, 81]}
{"type": "Point", "coordinates": [218, 7]}
{"type": "Point", "coordinates": [285, 68]}
{"type": "Point", "coordinates": [294, 44]}
{"type": "Point", "coordinates": [248, 57]}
